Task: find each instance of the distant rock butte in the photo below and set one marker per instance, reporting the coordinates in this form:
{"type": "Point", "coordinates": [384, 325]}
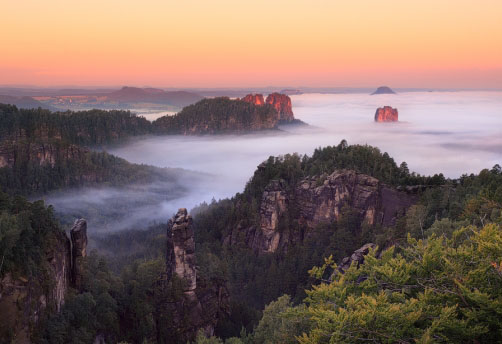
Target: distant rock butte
{"type": "Point", "coordinates": [386, 114]}
{"type": "Point", "coordinates": [280, 102]}
{"type": "Point", "coordinates": [383, 90]}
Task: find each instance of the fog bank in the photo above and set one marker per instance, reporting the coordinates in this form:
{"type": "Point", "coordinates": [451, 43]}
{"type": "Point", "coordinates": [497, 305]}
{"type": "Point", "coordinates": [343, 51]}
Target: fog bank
{"type": "Point", "coordinates": [448, 132]}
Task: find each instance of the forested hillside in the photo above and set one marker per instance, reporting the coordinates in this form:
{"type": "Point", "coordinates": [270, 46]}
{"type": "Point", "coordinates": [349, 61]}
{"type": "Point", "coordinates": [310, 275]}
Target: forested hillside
{"type": "Point", "coordinates": [218, 115]}
{"type": "Point", "coordinates": [255, 278]}
{"type": "Point", "coordinates": [42, 151]}
{"type": "Point", "coordinates": [94, 127]}
{"type": "Point", "coordinates": [434, 275]}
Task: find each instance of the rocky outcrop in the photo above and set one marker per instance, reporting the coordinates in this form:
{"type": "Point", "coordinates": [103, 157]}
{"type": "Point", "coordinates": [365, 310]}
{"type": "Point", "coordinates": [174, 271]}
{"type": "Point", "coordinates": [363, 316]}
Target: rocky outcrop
{"type": "Point", "coordinates": [203, 302]}
{"type": "Point", "coordinates": [282, 104]}
{"type": "Point", "coordinates": [256, 99]}
{"type": "Point", "coordinates": [386, 114]}
{"type": "Point", "coordinates": [39, 153]}
{"type": "Point", "coordinates": [383, 90]}
{"type": "Point", "coordinates": [273, 205]}
{"type": "Point", "coordinates": [320, 200]}
{"type": "Point", "coordinates": [180, 259]}
{"type": "Point", "coordinates": [23, 299]}
{"type": "Point", "coordinates": [78, 235]}
{"type": "Point", "coordinates": [357, 256]}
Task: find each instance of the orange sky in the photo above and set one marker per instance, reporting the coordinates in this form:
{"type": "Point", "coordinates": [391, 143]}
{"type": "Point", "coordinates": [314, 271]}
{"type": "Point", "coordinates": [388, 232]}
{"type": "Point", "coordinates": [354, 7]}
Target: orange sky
{"type": "Point", "coordinates": [183, 43]}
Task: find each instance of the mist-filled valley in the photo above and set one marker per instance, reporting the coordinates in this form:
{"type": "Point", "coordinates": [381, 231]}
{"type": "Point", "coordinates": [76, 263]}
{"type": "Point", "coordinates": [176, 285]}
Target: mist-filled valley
{"type": "Point", "coordinates": [438, 132]}
{"type": "Point", "coordinates": [217, 223]}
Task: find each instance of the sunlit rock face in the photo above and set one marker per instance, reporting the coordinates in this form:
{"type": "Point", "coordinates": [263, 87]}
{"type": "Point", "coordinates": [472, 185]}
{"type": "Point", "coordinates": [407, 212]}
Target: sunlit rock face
{"type": "Point", "coordinates": [319, 200]}
{"type": "Point", "coordinates": [256, 99]}
{"type": "Point", "coordinates": [386, 114]}
{"type": "Point", "coordinates": [282, 103]}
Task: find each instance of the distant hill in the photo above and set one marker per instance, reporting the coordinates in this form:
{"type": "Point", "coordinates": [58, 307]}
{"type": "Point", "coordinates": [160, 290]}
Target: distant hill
{"type": "Point", "coordinates": [24, 102]}
{"type": "Point", "coordinates": [383, 90]}
{"type": "Point", "coordinates": [153, 95]}
{"type": "Point", "coordinates": [291, 92]}
{"type": "Point", "coordinates": [218, 115]}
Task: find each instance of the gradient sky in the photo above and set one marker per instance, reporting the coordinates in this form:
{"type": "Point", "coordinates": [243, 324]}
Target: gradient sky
{"type": "Point", "coordinates": [217, 43]}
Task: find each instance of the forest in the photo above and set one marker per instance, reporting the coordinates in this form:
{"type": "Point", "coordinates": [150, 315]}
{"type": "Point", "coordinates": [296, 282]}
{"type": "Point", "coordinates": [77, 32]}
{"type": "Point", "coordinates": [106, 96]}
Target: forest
{"type": "Point", "coordinates": [434, 276]}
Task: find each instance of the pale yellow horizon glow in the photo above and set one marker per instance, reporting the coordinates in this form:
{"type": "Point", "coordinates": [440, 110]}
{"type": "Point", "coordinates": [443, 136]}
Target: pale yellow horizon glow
{"type": "Point", "coordinates": [402, 43]}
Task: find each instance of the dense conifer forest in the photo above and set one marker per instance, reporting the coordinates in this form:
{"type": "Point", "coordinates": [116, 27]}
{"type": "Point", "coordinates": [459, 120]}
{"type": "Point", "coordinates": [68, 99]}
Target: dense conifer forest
{"type": "Point", "coordinates": [434, 277]}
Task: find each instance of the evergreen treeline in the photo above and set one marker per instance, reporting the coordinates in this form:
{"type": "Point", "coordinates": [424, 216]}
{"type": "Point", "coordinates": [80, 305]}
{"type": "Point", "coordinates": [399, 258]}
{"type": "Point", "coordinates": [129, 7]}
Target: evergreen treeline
{"type": "Point", "coordinates": [100, 127]}
{"type": "Point", "coordinates": [93, 127]}
{"type": "Point", "coordinates": [254, 281]}
{"type": "Point", "coordinates": [218, 115]}
{"type": "Point", "coordinates": [37, 168]}
{"type": "Point", "coordinates": [436, 277]}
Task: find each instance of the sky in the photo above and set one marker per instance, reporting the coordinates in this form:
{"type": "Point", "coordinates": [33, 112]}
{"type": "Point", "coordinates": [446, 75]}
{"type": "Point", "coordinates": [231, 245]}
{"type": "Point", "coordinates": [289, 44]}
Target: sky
{"type": "Point", "coordinates": [219, 43]}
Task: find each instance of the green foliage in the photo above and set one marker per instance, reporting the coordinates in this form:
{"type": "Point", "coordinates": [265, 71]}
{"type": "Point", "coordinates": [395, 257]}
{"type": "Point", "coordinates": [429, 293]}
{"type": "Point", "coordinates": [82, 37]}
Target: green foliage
{"type": "Point", "coordinates": [94, 127]}
{"type": "Point", "coordinates": [27, 231]}
{"type": "Point", "coordinates": [217, 115]}
{"type": "Point", "coordinates": [69, 166]}
{"type": "Point", "coordinates": [436, 291]}
{"type": "Point", "coordinates": [276, 326]}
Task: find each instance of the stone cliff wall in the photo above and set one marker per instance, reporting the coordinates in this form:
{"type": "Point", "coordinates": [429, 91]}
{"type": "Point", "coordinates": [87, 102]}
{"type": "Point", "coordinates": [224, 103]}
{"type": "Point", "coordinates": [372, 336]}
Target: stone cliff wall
{"type": "Point", "coordinates": [78, 235]}
{"type": "Point", "coordinates": [256, 99]}
{"type": "Point", "coordinates": [280, 102]}
{"type": "Point", "coordinates": [24, 299]}
{"type": "Point", "coordinates": [319, 200]}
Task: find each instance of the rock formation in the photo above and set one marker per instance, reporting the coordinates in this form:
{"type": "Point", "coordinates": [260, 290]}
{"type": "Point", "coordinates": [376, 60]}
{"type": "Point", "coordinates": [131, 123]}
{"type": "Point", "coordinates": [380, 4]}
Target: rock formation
{"type": "Point", "coordinates": [386, 114]}
{"type": "Point", "coordinates": [78, 235]}
{"type": "Point", "coordinates": [383, 90]}
{"type": "Point", "coordinates": [38, 153]}
{"type": "Point", "coordinates": [23, 299]}
{"type": "Point", "coordinates": [317, 200]}
{"type": "Point", "coordinates": [282, 103]}
{"type": "Point", "coordinates": [357, 256]}
{"type": "Point", "coordinates": [181, 250]}
{"type": "Point", "coordinates": [256, 99]}
{"type": "Point", "coordinates": [202, 301]}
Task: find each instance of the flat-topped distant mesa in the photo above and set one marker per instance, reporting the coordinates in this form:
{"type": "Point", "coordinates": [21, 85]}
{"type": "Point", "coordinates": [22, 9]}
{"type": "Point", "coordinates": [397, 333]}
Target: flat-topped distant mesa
{"type": "Point", "coordinates": [383, 90]}
{"type": "Point", "coordinates": [386, 114]}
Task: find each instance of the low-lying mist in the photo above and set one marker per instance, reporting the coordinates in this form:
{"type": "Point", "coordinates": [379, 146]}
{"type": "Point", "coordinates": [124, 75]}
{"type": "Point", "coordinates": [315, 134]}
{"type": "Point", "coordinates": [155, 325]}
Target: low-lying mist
{"type": "Point", "coordinates": [442, 132]}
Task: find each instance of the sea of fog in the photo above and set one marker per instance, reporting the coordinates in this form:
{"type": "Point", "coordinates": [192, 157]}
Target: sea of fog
{"type": "Point", "coordinates": [438, 132]}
